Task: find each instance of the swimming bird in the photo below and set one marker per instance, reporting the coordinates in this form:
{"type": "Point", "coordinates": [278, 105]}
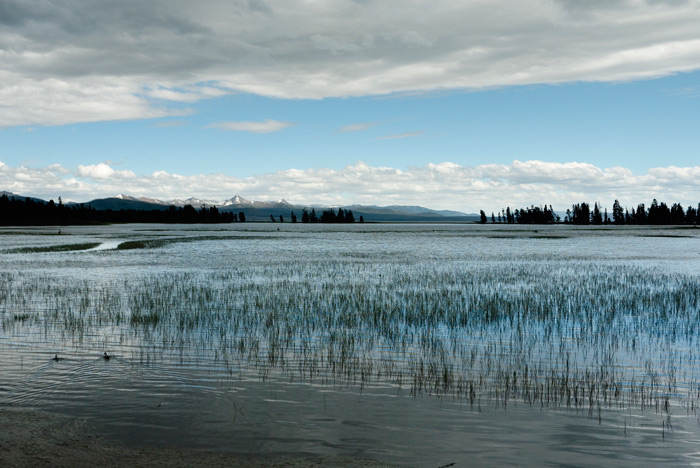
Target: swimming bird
{"type": "Point", "coordinates": [106, 356]}
{"type": "Point", "coordinates": [55, 358]}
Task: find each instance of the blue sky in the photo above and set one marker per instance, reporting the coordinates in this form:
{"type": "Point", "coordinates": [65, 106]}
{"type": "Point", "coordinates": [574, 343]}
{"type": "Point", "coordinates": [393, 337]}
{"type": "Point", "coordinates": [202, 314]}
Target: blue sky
{"type": "Point", "coordinates": [469, 108]}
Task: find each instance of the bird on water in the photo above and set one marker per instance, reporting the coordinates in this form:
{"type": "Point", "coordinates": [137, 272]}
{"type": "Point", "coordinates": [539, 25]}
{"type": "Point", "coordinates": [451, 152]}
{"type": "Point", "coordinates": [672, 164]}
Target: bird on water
{"type": "Point", "coordinates": [106, 356]}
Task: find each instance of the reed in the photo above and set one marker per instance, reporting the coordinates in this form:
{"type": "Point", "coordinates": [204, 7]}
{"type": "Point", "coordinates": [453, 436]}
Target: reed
{"type": "Point", "coordinates": [586, 335]}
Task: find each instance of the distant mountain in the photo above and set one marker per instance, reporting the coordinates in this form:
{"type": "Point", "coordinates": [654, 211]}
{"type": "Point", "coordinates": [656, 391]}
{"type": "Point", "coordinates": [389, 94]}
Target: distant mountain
{"type": "Point", "coordinates": [13, 196]}
{"type": "Point", "coordinates": [122, 202]}
{"type": "Point", "coordinates": [262, 210]}
{"type": "Point", "coordinates": [411, 210]}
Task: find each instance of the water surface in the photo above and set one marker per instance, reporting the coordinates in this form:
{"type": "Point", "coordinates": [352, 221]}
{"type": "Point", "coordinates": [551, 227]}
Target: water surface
{"type": "Point", "coordinates": [397, 342]}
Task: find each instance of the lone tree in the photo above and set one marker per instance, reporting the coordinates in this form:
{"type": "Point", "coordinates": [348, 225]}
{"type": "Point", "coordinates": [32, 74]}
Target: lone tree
{"type": "Point", "coordinates": [483, 217]}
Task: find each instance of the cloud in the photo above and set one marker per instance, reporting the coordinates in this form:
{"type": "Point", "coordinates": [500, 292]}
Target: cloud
{"type": "Point", "coordinates": [358, 127]}
{"type": "Point", "coordinates": [169, 124]}
{"type": "Point", "coordinates": [189, 94]}
{"type": "Point", "coordinates": [82, 61]}
{"type": "Point", "coordinates": [99, 172]}
{"type": "Point", "coordinates": [400, 135]}
{"type": "Point", "coordinates": [444, 185]}
{"type": "Point", "coordinates": [268, 126]}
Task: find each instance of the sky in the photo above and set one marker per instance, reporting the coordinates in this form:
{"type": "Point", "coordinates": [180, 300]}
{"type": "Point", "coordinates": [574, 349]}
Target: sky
{"type": "Point", "coordinates": [463, 105]}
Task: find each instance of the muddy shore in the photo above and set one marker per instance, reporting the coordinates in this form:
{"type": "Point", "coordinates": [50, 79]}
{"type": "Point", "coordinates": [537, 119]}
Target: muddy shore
{"type": "Point", "coordinates": [33, 439]}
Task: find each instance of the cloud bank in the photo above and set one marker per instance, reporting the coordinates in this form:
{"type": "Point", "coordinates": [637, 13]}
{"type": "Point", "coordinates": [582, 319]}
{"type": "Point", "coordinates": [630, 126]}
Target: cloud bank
{"type": "Point", "coordinates": [440, 186]}
{"type": "Point", "coordinates": [92, 60]}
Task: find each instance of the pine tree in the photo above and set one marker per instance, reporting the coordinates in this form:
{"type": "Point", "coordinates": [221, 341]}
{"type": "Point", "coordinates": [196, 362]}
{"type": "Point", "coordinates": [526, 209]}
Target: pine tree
{"type": "Point", "coordinates": [617, 213]}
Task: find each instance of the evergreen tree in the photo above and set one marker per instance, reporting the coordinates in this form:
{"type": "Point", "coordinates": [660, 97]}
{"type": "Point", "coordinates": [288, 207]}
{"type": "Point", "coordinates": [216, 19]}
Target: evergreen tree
{"type": "Point", "coordinates": [677, 214]}
{"type": "Point", "coordinates": [596, 217]}
{"type": "Point", "coordinates": [617, 213]}
{"type": "Point", "coordinates": [483, 217]}
{"type": "Point", "coordinates": [581, 214]}
{"type": "Point", "coordinates": [304, 216]}
{"type": "Point", "coordinates": [510, 219]}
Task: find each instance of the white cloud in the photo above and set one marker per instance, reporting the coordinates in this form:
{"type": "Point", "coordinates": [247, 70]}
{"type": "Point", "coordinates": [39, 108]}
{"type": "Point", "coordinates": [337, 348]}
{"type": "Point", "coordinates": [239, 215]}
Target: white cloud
{"type": "Point", "coordinates": [189, 94]}
{"type": "Point", "coordinates": [99, 172]}
{"type": "Point", "coordinates": [399, 136]}
{"type": "Point", "coordinates": [442, 186]}
{"type": "Point", "coordinates": [78, 61]}
{"type": "Point", "coordinates": [358, 127]}
{"type": "Point", "coordinates": [268, 126]}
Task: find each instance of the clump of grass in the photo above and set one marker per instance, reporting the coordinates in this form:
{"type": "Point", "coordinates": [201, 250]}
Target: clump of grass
{"type": "Point", "coordinates": [147, 319]}
{"type": "Point", "coordinates": [130, 245]}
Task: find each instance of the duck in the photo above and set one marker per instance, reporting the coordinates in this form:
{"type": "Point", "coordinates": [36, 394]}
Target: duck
{"type": "Point", "coordinates": [106, 356]}
{"type": "Point", "coordinates": [55, 358]}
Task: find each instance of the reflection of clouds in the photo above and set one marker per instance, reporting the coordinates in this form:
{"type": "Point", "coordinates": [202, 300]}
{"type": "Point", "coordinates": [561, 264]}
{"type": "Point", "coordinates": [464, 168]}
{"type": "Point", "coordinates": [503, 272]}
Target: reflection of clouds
{"type": "Point", "coordinates": [442, 186]}
{"type": "Point", "coordinates": [89, 61]}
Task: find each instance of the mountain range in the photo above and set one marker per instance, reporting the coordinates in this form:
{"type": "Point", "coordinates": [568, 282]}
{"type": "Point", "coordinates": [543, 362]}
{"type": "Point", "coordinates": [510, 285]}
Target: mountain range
{"type": "Point", "coordinates": [262, 210]}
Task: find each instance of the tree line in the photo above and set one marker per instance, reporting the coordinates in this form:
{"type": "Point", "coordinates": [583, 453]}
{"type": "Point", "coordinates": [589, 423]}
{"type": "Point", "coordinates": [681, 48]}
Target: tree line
{"type": "Point", "coordinates": [327, 216]}
{"type": "Point", "coordinates": [658, 213]}
{"type": "Point", "coordinates": [27, 212]}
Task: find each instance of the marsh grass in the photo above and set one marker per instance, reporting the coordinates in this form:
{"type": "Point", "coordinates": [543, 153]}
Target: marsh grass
{"type": "Point", "coordinates": [162, 242]}
{"type": "Point", "coordinates": [562, 334]}
{"type": "Point", "coordinates": [55, 248]}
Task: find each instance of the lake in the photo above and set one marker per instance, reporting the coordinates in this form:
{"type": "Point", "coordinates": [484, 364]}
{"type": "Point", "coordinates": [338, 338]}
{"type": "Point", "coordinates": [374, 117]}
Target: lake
{"type": "Point", "coordinates": [419, 345]}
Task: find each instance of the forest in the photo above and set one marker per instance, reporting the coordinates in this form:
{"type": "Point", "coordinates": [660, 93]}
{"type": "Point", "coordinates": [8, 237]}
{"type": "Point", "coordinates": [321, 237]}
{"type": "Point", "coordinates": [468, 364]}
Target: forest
{"type": "Point", "coordinates": [658, 213]}
{"type": "Point", "coordinates": [327, 216]}
{"type": "Point", "coordinates": [28, 212]}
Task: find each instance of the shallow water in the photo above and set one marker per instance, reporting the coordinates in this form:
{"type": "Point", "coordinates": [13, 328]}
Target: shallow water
{"type": "Point", "coordinates": [163, 385]}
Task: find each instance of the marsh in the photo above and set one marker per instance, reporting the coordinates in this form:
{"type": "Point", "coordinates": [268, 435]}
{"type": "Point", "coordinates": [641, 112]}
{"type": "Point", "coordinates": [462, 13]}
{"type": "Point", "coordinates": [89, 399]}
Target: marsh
{"type": "Point", "coordinates": [418, 345]}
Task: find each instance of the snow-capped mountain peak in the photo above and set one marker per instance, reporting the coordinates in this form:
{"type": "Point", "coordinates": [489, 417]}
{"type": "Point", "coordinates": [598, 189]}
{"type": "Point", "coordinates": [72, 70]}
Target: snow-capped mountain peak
{"type": "Point", "coordinates": [238, 200]}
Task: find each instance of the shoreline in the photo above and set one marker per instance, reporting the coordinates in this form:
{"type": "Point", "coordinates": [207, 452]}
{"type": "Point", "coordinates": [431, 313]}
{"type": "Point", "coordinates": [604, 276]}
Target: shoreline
{"type": "Point", "coordinates": [32, 438]}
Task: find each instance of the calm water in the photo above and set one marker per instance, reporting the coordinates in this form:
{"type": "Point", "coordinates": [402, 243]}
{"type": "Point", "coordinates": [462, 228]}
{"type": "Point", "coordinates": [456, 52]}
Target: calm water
{"type": "Point", "coordinates": [209, 371]}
